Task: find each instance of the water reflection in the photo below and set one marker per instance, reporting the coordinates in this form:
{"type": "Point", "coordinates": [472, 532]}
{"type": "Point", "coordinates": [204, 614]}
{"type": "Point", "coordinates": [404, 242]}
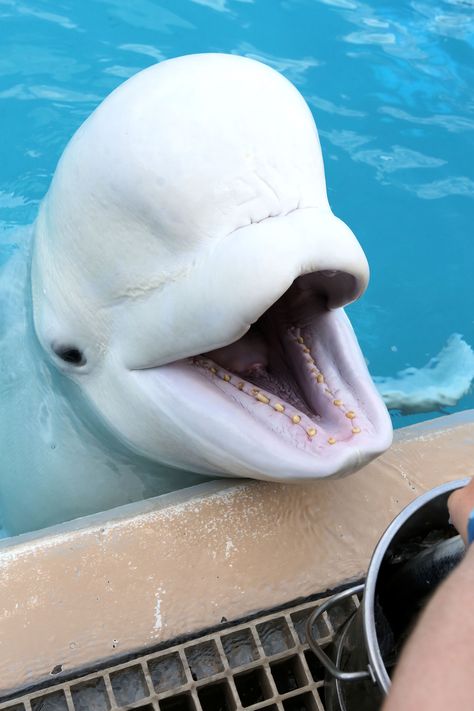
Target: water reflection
{"type": "Point", "coordinates": [456, 185]}
{"type": "Point", "coordinates": [396, 158]}
{"type": "Point", "coordinates": [458, 25]}
{"type": "Point", "coordinates": [450, 122]}
{"type": "Point", "coordinates": [147, 50]}
{"type": "Point", "coordinates": [294, 69]}
{"type": "Point", "coordinates": [219, 5]}
{"type": "Point", "coordinates": [148, 15]}
{"type": "Point", "coordinates": [330, 107]}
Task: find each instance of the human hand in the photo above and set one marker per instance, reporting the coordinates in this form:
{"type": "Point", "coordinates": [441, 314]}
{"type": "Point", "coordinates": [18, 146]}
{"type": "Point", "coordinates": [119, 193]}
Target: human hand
{"type": "Point", "coordinates": [460, 505]}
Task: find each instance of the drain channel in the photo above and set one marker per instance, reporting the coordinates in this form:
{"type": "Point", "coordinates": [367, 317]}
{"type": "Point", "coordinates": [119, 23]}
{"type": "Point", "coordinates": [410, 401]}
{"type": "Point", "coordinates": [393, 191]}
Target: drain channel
{"type": "Point", "coordinates": [262, 664]}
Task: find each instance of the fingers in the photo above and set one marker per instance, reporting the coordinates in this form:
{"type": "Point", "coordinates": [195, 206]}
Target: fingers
{"type": "Point", "coordinates": [460, 505]}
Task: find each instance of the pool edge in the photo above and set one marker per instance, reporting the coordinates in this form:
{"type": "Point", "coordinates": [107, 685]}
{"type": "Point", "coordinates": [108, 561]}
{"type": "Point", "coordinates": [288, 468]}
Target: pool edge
{"type": "Point", "coordinates": [110, 584]}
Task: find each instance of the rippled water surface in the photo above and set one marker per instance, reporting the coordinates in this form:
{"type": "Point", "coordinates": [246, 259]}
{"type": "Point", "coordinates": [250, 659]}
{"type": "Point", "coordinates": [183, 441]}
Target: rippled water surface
{"type": "Point", "coordinates": [389, 83]}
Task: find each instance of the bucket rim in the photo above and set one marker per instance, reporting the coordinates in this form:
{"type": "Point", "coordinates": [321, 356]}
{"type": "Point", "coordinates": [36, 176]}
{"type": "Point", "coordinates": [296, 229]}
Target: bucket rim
{"type": "Point", "coordinates": [368, 602]}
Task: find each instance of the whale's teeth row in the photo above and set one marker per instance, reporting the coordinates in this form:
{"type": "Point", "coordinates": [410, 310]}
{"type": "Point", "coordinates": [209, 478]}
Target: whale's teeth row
{"type": "Point", "coordinates": [296, 336]}
{"type": "Point", "coordinates": [257, 394]}
{"type": "Point", "coordinates": [267, 398]}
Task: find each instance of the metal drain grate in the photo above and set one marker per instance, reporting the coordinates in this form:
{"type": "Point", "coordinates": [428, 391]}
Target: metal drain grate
{"type": "Point", "coordinates": [262, 664]}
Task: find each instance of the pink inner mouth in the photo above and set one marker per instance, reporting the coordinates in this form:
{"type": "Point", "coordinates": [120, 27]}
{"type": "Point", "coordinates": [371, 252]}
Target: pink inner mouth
{"type": "Point", "coordinates": [289, 371]}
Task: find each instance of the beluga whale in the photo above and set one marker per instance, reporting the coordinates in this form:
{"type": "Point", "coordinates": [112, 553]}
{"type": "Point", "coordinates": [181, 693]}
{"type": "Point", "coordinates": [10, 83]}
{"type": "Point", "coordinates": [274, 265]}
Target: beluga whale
{"type": "Point", "coordinates": [188, 279]}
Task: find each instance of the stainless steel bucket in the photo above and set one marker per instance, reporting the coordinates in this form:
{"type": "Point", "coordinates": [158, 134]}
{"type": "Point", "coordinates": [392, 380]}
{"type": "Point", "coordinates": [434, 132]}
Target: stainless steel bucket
{"type": "Point", "coordinates": [416, 552]}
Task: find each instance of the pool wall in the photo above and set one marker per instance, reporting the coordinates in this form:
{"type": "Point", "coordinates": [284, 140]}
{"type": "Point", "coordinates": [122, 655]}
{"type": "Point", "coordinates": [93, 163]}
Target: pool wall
{"type": "Point", "coordinates": [108, 585]}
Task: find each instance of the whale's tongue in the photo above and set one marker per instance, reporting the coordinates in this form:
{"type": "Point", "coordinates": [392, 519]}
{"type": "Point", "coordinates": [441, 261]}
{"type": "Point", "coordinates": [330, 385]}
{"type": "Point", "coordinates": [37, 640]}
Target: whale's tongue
{"type": "Point", "coordinates": [247, 355]}
{"type": "Point", "coordinates": [262, 363]}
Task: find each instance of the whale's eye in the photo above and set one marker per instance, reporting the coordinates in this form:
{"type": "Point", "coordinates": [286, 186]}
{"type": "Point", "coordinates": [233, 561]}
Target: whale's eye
{"type": "Point", "coordinates": [70, 354]}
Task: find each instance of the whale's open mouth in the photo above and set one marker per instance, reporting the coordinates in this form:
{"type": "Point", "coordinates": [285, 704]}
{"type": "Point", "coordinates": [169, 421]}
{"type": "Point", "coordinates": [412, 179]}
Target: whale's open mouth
{"type": "Point", "coordinates": [299, 371]}
{"type": "Point", "coordinates": [291, 399]}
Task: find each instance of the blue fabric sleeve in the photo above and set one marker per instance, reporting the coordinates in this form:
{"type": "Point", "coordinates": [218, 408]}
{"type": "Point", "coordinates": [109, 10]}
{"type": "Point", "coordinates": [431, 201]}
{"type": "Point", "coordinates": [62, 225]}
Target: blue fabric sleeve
{"type": "Point", "coordinates": [470, 528]}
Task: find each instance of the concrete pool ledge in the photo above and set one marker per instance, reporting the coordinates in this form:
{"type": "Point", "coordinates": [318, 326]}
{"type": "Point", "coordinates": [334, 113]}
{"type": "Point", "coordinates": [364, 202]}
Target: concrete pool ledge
{"type": "Point", "coordinates": [111, 584]}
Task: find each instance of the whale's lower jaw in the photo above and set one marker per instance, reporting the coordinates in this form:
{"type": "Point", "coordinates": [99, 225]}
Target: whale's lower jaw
{"type": "Point", "coordinates": [291, 400]}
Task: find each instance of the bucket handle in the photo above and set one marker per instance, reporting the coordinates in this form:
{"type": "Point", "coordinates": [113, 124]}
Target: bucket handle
{"type": "Point", "coordinates": [327, 663]}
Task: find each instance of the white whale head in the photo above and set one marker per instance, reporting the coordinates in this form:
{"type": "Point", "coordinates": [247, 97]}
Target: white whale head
{"type": "Point", "coordinates": [189, 275]}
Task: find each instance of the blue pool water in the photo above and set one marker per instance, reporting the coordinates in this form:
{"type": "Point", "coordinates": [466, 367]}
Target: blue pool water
{"type": "Point", "coordinates": [390, 85]}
